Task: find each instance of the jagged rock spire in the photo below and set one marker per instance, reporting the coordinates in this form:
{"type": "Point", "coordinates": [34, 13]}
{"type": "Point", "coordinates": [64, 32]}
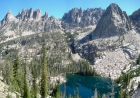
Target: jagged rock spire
{"type": "Point", "coordinates": [27, 15]}
{"type": "Point", "coordinates": [8, 17]}
{"type": "Point", "coordinates": [37, 14]}
{"type": "Point", "coordinates": [79, 18]}
{"type": "Point", "coordinates": [46, 14]}
{"type": "Point", "coordinates": [9, 12]}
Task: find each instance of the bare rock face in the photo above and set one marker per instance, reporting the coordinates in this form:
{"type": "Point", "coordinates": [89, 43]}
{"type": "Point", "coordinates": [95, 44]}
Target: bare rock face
{"type": "Point", "coordinates": [22, 15]}
{"type": "Point", "coordinates": [8, 17]}
{"type": "Point", "coordinates": [113, 22]}
{"type": "Point", "coordinates": [39, 24]}
{"type": "Point", "coordinates": [37, 14]}
{"type": "Point", "coordinates": [30, 13]}
{"type": "Point", "coordinates": [27, 15]}
{"type": "Point", "coordinates": [45, 16]}
{"type": "Point", "coordinates": [135, 18]}
{"type": "Point", "coordinates": [78, 18]}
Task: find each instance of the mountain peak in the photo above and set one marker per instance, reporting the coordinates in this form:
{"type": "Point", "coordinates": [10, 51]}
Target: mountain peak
{"type": "Point", "coordinates": [37, 14]}
{"type": "Point", "coordinates": [113, 22]}
{"type": "Point", "coordinates": [8, 17]}
{"type": "Point", "coordinates": [114, 8]}
{"type": "Point", "coordinates": [45, 16]}
{"type": "Point", "coordinates": [113, 5]}
{"type": "Point", "coordinates": [9, 12]}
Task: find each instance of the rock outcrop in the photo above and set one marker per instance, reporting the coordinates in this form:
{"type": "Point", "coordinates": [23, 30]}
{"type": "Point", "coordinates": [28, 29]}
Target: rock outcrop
{"type": "Point", "coordinates": [78, 18]}
{"type": "Point", "coordinates": [8, 18]}
{"type": "Point", "coordinates": [27, 15]}
{"type": "Point", "coordinates": [45, 16]}
{"type": "Point", "coordinates": [4, 90]}
{"type": "Point", "coordinates": [114, 22]}
{"type": "Point", "coordinates": [135, 17]}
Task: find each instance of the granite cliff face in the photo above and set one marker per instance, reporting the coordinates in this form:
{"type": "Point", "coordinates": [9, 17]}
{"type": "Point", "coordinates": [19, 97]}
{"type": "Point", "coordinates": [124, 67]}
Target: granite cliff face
{"type": "Point", "coordinates": [27, 15]}
{"type": "Point", "coordinates": [135, 17]}
{"type": "Point", "coordinates": [8, 18]}
{"type": "Point", "coordinates": [79, 18]}
{"type": "Point", "coordinates": [114, 22]}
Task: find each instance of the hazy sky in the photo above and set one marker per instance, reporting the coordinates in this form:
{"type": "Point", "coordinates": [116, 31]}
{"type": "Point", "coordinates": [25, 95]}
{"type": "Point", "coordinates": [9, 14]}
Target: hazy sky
{"type": "Point", "coordinates": [58, 7]}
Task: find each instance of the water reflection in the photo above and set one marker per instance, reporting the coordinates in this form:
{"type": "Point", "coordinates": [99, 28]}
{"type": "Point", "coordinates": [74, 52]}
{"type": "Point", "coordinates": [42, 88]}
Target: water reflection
{"type": "Point", "coordinates": [87, 84]}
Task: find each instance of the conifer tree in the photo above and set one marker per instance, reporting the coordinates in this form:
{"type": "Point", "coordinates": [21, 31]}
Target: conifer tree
{"type": "Point", "coordinates": [35, 89]}
{"type": "Point", "coordinates": [15, 70]}
{"type": "Point", "coordinates": [26, 86]}
{"type": "Point", "coordinates": [99, 96]}
{"type": "Point", "coordinates": [34, 86]}
{"type": "Point", "coordinates": [6, 71]}
{"type": "Point", "coordinates": [76, 93]}
{"type": "Point", "coordinates": [127, 95]}
{"type": "Point", "coordinates": [69, 96]}
{"type": "Point", "coordinates": [121, 94]}
{"type": "Point", "coordinates": [12, 84]}
{"type": "Point", "coordinates": [57, 93]}
{"type": "Point", "coordinates": [11, 72]}
{"type": "Point", "coordinates": [16, 66]}
{"type": "Point", "coordinates": [44, 77]}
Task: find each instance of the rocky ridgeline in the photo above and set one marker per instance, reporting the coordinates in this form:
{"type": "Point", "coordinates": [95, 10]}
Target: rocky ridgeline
{"type": "Point", "coordinates": [30, 20]}
{"type": "Point", "coordinates": [79, 18]}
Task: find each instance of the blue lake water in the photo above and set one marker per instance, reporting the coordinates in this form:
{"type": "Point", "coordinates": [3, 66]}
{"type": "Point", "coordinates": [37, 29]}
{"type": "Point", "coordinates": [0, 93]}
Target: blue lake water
{"type": "Point", "coordinates": [87, 85]}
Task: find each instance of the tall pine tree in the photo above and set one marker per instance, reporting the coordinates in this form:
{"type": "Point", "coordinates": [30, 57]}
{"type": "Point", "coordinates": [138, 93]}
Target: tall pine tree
{"type": "Point", "coordinates": [121, 94]}
{"type": "Point", "coordinates": [12, 84]}
{"type": "Point", "coordinates": [26, 86]}
{"type": "Point", "coordinates": [34, 86]}
{"type": "Point", "coordinates": [16, 66]}
{"type": "Point", "coordinates": [44, 77]}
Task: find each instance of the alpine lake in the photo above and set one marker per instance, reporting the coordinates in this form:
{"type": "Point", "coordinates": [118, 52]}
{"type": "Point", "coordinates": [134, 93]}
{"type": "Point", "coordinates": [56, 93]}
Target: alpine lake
{"type": "Point", "coordinates": [86, 86]}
